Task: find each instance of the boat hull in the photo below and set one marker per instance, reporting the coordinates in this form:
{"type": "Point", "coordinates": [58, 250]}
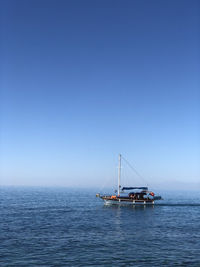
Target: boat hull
{"type": "Point", "coordinates": [126, 201]}
{"type": "Point", "coordinates": [111, 202]}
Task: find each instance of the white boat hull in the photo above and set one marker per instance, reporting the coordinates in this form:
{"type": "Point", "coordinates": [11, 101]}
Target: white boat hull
{"type": "Point", "coordinates": [114, 202]}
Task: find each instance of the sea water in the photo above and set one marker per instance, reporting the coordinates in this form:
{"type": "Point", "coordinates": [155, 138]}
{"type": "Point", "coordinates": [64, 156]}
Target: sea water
{"type": "Point", "coordinates": [71, 227]}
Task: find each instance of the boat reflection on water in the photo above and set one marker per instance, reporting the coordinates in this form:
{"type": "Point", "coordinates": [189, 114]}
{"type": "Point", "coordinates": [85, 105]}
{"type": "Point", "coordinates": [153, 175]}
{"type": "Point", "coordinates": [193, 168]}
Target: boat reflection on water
{"type": "Point", "coordinates": [128, 207]}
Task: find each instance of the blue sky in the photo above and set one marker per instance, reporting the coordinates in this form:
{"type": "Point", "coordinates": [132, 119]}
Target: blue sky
{"type": "Point", "coordinates": [82, 81]}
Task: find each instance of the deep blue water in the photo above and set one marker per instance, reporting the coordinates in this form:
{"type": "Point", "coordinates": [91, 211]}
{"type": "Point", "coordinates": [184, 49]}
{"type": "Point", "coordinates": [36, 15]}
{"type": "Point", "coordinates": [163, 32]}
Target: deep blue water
{"type": "Point", "coordinates": [62, 227]}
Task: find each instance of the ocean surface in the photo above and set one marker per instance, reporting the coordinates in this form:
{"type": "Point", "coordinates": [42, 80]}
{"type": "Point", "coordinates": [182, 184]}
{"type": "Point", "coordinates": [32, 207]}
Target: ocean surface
{"type": "Point", "coordinates": [68, 227]}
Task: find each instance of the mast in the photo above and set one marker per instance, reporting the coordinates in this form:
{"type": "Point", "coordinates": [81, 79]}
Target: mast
{"type": "Point", "coordinates": [119, 175]}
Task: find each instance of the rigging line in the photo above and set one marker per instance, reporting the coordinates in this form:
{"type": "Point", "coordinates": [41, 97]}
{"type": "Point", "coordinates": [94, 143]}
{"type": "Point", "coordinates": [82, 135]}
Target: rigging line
{"type": "Point", "coordinates": [105, 184]}
{"type": "Point", "coordinates": [135, 170]}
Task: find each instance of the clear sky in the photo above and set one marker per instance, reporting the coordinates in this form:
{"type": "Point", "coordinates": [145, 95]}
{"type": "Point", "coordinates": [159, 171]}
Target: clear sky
{"type": "Point", "coordinates": [82, 81]}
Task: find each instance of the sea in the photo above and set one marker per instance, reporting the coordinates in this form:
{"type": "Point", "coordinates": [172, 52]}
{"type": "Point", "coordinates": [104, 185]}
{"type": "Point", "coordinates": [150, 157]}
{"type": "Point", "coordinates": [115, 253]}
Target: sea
{"type": "Point", "coordinates": [72, 227]}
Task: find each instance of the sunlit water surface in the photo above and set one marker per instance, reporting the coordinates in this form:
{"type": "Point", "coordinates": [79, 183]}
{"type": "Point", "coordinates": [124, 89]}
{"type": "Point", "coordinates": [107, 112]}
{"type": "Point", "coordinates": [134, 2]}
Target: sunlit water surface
{"type": "Point", "coordinates": [62, 227]}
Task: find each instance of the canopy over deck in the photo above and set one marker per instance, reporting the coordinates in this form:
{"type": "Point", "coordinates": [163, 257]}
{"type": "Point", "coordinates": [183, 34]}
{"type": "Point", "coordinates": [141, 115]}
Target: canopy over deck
{"type": "Point", "coordinates": [132, 188]}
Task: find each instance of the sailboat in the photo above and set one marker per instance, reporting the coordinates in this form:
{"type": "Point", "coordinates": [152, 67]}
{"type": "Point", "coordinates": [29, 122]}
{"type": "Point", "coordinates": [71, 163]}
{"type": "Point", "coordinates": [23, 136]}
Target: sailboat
{"type": "Point", "coordinates": [130, 195]}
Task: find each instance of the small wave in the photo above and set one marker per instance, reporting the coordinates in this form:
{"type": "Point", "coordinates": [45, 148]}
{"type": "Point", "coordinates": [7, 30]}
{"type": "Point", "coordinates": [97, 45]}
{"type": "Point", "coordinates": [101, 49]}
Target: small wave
{"type": "Point", "coordinates": [178, 204]}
